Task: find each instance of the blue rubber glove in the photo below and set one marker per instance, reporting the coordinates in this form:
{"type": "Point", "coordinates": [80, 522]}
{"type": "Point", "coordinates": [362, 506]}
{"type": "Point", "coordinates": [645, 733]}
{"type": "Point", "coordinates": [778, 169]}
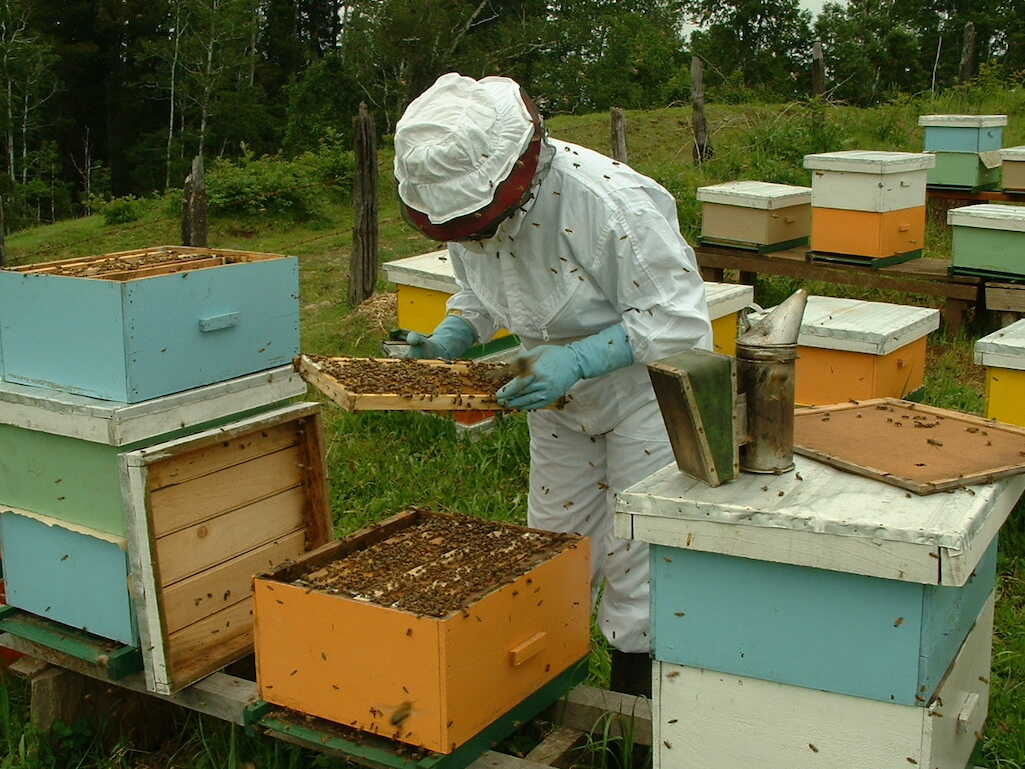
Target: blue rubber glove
{"type": "Point", "coordinates": [453, 337]}
{"type": "Point", "coordinates": [554, 369]}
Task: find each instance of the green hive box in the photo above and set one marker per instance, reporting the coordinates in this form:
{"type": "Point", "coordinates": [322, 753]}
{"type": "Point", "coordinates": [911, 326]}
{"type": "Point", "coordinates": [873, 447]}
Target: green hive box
{"type": "Point", "coordinates": [969, 170]}
{"type": "Point", "coordinates": [989, 240]}
{"type": "Point", "coordinates": [59, 453]}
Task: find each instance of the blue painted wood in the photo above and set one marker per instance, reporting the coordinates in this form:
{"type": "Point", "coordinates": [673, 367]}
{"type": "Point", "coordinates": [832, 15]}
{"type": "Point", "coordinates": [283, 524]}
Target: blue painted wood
{"type": "Point", "coordinates": [820, 629]}
{"type": "Point", "coordinates": [67, 576]}
{"type": "Point", "coordinates": [963, 139]}
{"type": "Point", "coordinates": [136, 340]}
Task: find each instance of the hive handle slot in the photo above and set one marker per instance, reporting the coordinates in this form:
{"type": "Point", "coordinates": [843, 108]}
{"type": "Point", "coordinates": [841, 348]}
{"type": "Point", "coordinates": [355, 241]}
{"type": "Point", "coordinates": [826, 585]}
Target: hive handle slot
{"type": "Point", "coordinates": [964, 715]}
{"type": "Point", "coordinates": [528, 649]}
{"type": "Point", "coordinates": [218, 322]}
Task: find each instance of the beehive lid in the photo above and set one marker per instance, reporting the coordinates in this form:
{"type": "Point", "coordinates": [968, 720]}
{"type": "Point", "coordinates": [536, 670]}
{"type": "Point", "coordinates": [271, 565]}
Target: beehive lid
{"type": "Point", "coordinates": [989, 216]}
{"type": "Point", "coordinates": [962, 121]}
{"type": "Point", "coordinates": [870, 161]}
{"type": "Point", "coordinates": [1013, 153]}
{"type": "Point", "coordinates": [1004, 348]}
{"type": "Point", "coordinates": [822, 517]}
{"type": "Point", "coordinates": [432, 271]}
{"type": "Point", "coordinates": [727, 298]}
{"type": "Point", "coordinates": [747, 194]}
{"type": "Point", "coordinates": [121, 424]}
{"type": "Point", "coordinates": [855, 325]}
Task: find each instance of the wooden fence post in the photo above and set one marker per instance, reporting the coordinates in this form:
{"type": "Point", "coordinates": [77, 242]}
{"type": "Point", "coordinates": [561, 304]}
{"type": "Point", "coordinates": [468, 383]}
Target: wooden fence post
{"type": "Point", "coordinates": [967, 69]}
{"type": "Point", "coordinates": [194, 229]}
{"type": "Point", "coordinates": [702, 146]}
{"type": "Point", "coordinates": [619, 151]}
{"type": "Point", "coordinates": [363, 263]}
{"type": "Point", "coordinates": [818, 70]}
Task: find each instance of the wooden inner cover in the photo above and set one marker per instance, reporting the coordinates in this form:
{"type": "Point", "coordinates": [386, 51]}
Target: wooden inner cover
{"type": "Point", "coordinates": [916, 447]}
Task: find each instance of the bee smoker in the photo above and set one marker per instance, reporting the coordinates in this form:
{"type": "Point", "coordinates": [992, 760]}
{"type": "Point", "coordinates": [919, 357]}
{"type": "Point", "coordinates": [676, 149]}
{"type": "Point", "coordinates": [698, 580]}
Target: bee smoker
{"type": "Point", "coordinates": [766, 362]}
{"type": "Point", "coordinates": [727, 415]}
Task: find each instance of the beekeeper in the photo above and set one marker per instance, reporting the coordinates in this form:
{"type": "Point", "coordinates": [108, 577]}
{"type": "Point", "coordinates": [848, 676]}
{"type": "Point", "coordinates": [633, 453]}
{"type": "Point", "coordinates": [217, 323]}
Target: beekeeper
{"type": "Point", "coordinates": [581, 257]}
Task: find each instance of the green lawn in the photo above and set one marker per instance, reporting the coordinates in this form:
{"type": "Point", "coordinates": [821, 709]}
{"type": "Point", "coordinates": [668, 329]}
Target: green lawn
{"type": "Point", "coordinates": [382, 463]}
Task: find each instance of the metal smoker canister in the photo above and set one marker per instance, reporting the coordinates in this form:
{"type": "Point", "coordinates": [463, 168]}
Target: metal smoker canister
{"type": "Point", "coordinates": [766, 363]}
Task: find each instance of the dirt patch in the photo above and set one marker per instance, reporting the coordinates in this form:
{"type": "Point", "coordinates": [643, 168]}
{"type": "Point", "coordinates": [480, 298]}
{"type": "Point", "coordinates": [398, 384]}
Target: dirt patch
{"type": "Point", "coordinates": [412, 378]}
{"type": "Point", "coordinates": [439, 565]}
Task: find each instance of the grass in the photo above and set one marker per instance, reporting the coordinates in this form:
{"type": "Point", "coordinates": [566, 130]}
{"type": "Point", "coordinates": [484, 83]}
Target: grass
{"type": "Point", "coordinates": [382, 463]}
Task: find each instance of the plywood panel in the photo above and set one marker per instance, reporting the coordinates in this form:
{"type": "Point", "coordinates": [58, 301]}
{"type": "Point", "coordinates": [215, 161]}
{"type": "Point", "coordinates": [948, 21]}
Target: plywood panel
{"type": "Point", "coordinates": [203, 594]}
{"type": "Point", "coordinates": [206, 544]}
{"type": "Point", "coordinates": [184, 504]}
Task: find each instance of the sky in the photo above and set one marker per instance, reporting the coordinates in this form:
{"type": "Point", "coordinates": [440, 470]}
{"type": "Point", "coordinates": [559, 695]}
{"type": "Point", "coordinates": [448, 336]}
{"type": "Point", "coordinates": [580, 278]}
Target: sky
{"type": "Point", "coordinates": [813, 5]}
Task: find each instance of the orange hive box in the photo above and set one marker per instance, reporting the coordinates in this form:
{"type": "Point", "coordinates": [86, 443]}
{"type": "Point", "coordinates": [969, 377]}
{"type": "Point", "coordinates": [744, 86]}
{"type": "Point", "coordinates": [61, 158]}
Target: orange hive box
{"type": "Point", "coordinates": [877, 235]}
{"type": "Point", "coordinates": [429, 681]}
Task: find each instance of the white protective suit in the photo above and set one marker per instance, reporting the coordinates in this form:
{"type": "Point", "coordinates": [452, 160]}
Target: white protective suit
{"type": "Point", "coordinates": [599, 244]}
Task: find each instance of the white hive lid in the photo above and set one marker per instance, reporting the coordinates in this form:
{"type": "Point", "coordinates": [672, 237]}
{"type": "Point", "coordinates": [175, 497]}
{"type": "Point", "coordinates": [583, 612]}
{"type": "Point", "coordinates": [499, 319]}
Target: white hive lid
{"type": "Point", "coordinates": [749, 194]}
{"type": "Point", "coordinates": [855, 325]}
{"type": "Point", "coordinates": [1013, 153]}
{"type": "Point", "coordinates": [1004, 348]}
{"type": "Point", "coordinates": [432, 271]}
{"type": "Point", "coordinates": [990, 216]}
{"type": "Point", "coordinates": [962, 121]}
{"type": "Point", "coordinates": [727, 298]}
{"type": "Point", "coordinates": [870, 161]}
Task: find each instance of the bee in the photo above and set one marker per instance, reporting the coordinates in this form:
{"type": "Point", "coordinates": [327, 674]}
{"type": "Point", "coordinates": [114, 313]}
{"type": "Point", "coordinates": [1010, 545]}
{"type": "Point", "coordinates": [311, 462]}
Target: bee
{"type": "Point", "coordinates": [401, 713]}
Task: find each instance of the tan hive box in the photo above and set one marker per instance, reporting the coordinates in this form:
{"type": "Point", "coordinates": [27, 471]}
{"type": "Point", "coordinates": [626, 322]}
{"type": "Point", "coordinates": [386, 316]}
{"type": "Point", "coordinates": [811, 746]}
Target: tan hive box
{"type": "Point", "coordinates": [755, 215]}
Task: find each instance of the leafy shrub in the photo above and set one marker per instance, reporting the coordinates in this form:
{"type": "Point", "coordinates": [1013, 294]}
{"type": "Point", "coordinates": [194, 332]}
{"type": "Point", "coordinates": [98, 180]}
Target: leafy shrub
{"type": "Point", "coordinates": [120, 210]}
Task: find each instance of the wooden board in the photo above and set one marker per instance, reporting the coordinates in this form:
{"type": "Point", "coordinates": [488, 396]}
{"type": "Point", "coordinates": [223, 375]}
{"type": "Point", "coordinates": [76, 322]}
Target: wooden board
{"type": "Point", "coordinates": [351, 401]}
{"type": "Point", "coordinates": [879, 439]}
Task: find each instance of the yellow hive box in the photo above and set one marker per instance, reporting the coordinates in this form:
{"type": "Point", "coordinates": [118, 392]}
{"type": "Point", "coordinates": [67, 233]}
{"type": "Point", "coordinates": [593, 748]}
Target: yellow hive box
{"type": "Point", "coordinates": [425, 282]}
{"type": "Point", "coordinates": [755, 215]}
{"type": "Point", "coordinates": [853, 349]}
{"type": "Point", "coordinates": [433, 682]}
{"type": "Point", "coordinates": [1003, 355]}
{"type": "Point", "coordinates": [876, 235]}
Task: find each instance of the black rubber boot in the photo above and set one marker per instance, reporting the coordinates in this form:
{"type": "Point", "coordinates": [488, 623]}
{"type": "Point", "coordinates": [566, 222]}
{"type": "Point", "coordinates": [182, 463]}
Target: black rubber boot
{"type": "Point", "coordinates": [631, 673]}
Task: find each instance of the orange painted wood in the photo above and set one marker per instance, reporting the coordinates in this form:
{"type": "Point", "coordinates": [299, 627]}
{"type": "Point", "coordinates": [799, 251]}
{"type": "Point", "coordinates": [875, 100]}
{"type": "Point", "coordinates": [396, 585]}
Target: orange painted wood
{"type": "Point", "coordinates": [430, 682]}
{"type": "Point", "coordinates": [866, 233]}
{"type": "Point", "coordinates": [834, 376]}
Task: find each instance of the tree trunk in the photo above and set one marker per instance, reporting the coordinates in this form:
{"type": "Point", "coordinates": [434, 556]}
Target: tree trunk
{"type": "Point", "coordinates": [619, 135]}
{"type": "Point", "coordinates": [702, 145]}
{"type": "Point", "coordinates": [936, 63]}
{"type": "Point", "coordinates": [967, 70]}
{"type": "Point", "coordinates": [174, 85]}
{"type": "Point", "coordinates": [363, 262]}
{"type": "Point", "coordinates": [194, 214]}
{"type": "Point", "coordinates": [818, 71]}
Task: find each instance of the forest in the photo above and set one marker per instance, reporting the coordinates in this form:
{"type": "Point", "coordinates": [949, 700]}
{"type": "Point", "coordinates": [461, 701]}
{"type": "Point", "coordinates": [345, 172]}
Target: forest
{"type": "Point", "coordinates": [104, 99]}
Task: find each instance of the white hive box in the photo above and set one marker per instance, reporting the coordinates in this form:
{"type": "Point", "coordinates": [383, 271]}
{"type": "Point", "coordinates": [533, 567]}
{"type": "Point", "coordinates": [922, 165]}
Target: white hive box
{"type": "Point", "coordinates": [868, 180]}
{"type": "Point", "coordinates": [756, 215]}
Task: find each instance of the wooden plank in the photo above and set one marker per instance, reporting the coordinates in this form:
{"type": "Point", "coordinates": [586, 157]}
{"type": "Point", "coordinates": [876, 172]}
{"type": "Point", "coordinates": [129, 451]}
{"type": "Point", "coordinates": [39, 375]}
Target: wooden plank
{"type": "Point", "coordinates": [553, 748]}
{"type": "Point", "coordinates": [162, 269]}
{"type": "Point", "coordinates": [28, 667]}
{"type": "Point", "coordinates": [493, 760]}
{"type": "Point", "coordinates": [189, 551]}
{"type": "Point", "coordinates": [203, 594]}
{"type": "Point", "coordinates": [585, 707]}
{"type": "Point", "coordinates": [210, 644]}
{"type": "Point", "coordinates": [194, 464]}
{"type": "Point", "coordinates": [174, 508]}
{"type": "Point", "coordinates": [1005, 297]}
{"type": "Point", "coordinates": [317, 515]}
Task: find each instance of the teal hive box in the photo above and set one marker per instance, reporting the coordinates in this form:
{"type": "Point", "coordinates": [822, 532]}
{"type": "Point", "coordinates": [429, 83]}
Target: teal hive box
{"type": "Point", "coordinates": [868, 637]}
{"type": "Point", "coordinates": [966, 170]}
{"type": "Point", "coordinates": [135, 326]}
{"type": "Point", "coordinates": [59, 453]}
{"type": "Point", "coordinates": [963, 133]}
{"type": "Point", "coordinates": [70, 575]}
{"type": "Point", "coordinates": [988, 240]}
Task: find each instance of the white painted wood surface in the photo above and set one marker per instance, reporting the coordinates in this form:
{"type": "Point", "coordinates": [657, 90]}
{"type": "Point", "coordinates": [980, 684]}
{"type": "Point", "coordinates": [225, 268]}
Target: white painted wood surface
{"type": "Point", "coordinates": [433, 272]}
{"type": "Point", "coordinates": [989, 216]}
{"type": "Point", "coordinates": [120, 424]}
{"type": "Point", "coordinates": [709, 720]}
{"type": "Point", "coordinates": [1004, 348]}
{"type": "Point", "coordinates": [962, 121]}
{"type": "Point", "coordinates": [828, 502]}
{"type": "Point", "coordinates": [1014, 154]}
{"type": "Point", "coordinates": [752, 194]}
{"type": "Point", "coordinates": [859, 191]}
{"type": "Point", "coordinates": [46, 520]}
{"type": "Point", "coordinates": [869, 162]}
{"type": "Point", "coordinates": [856, 325]}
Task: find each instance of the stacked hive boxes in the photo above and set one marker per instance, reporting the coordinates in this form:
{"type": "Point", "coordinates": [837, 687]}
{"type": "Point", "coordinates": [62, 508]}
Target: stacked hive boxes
{"type": "Point", "coordinates": [966, 147]}
{"type": "Point", "coordinates": [151, 464]}
{"type": "Point", "coordinates": [817, 618]}
{"type": "Point", "coordinates": [988, 240]}
{"type": "Point", "coordinates": [868, 207]}
{"type": "Point", "coordinates": [1003, 355]}
{"type": "Point", "coordinates": [756, 215]}
{"type": "Point", "coordinates": [1013, 168]}
{"type": "Point", "coordinates": [853, 349]}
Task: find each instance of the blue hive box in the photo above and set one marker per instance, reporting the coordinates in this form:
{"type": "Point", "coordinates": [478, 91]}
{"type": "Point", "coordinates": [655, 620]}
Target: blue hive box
{"type": "Point", "coordinates": [138, 325]}
{"type": "Point", "coordinates": [963, 133]}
